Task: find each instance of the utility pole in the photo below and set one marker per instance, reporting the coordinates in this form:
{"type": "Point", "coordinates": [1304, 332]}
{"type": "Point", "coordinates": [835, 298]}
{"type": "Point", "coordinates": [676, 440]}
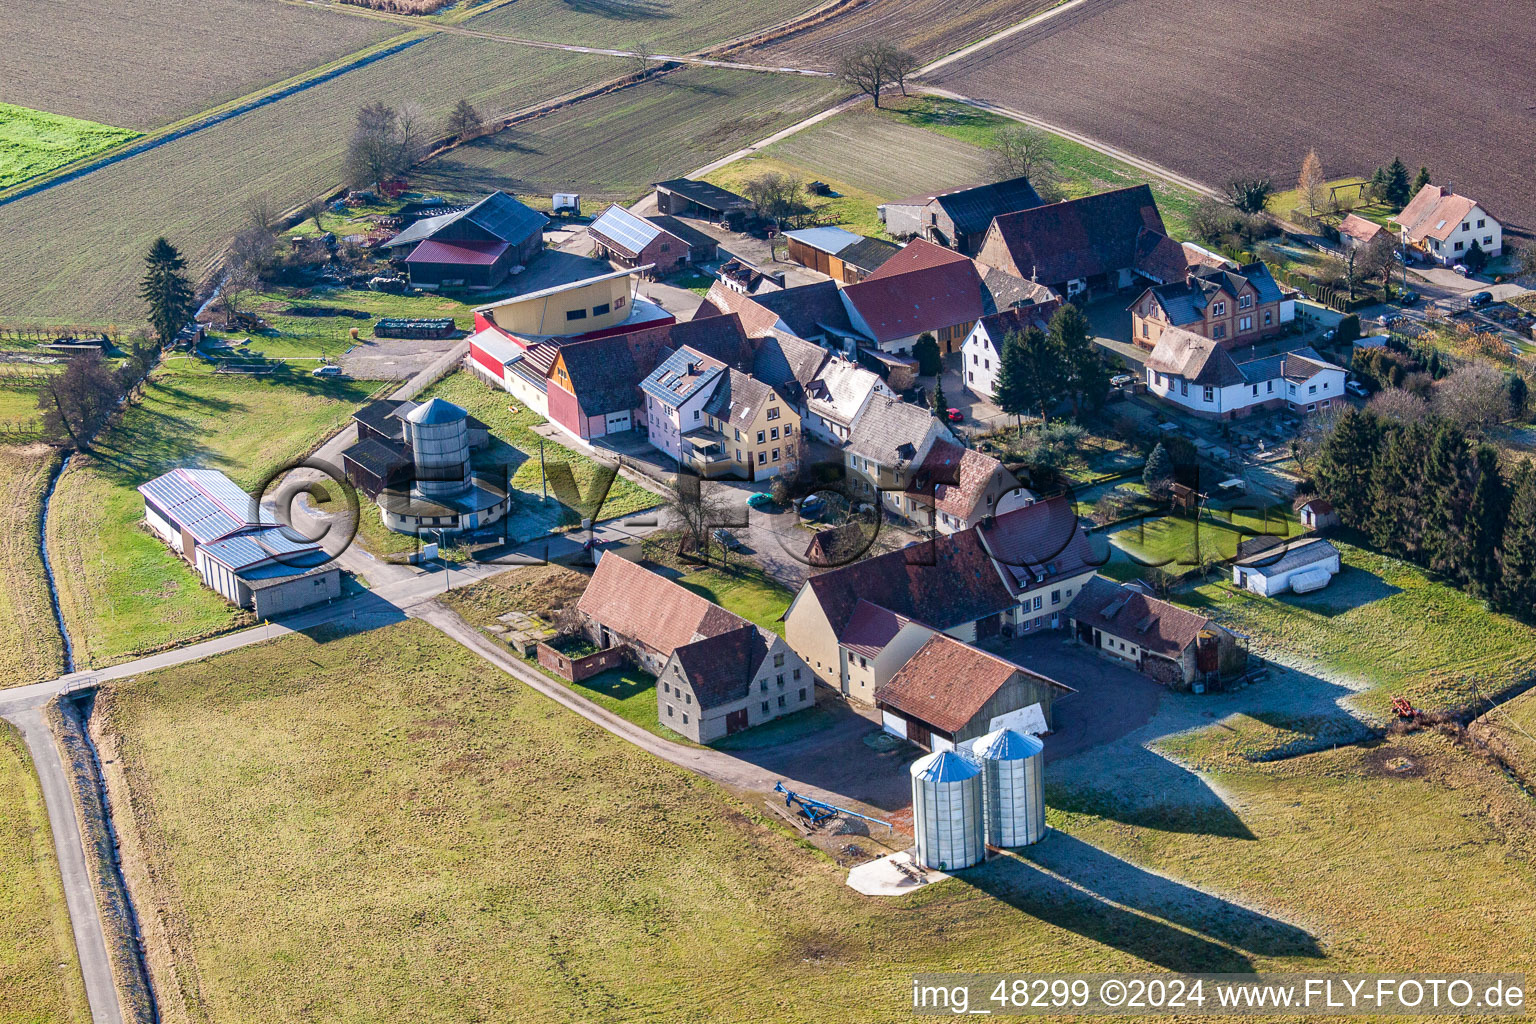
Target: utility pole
{"type": "Point", "coordinates": [543, 491]}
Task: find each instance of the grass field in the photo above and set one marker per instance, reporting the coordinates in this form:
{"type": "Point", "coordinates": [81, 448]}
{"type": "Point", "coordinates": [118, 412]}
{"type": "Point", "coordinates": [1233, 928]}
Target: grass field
{"type": "Point", "coordinates": [1297, 74]}
{"type": "Point", "coordinates": [613, 147]}
{"type": "Point", "coordinates": [1179, 544]}
{"type": "Point", "coordinates": [432, 841]}
{"type": "Point", "coordinates": [30, 647]}
{"type": "Point", "coordinates": [122, 590]}
{"type": "Point", "coordinates": [33, 143]}
{"type": "Point", "coordinates": [746, 590]}
{"type": "Point", "coordinates": [314, 337]}
{"type": "Point", "coordinates": [76, 248]}
{"type": "Point", "coordinates": [145, 63]}
{"type": "Point", "coordinates": [39, 974]}
{"type": "Point", "coordinates": [1384, 627]}
{"type": "Point", "coordinates": [1513, 727]}
{"type": "Point", "coordinates": [672, 27]}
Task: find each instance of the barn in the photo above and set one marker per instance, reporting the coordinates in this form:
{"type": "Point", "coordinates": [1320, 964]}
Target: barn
{"type": "Point", "coordinates": [1300, 566]}
{"type": "Point", "coordinates": [684, 197]}
{"type": "Point", "coordinates": [471, 248]}
{"type": "Point", "coordinates": [662, 243]}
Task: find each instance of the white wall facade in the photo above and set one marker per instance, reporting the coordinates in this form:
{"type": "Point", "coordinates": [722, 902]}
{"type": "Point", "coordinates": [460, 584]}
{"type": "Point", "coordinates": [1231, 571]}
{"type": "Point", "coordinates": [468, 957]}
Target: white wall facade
{"type": "Point", "coordinates": [981, 357]}
{"type": "Point", "coordinates": [1318, 392]}
{"type": "Point", "coordinates": [667, 423]}
{"type": "Point", "coordinates": [1477, 227]}
{"type": "Point", "coordinates": [1267, 586]}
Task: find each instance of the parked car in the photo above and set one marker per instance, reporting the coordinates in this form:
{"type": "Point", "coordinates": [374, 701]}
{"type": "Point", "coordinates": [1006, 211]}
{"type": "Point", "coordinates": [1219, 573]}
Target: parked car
{"type": "Point", "coordinates": [1121, 380]}
{"type": "Point", "coordinates": [325, 371]}
{"type": "Point", "coordinates": [1388, 319]}
{"type": "Point", "coordinates": [1357, 389]}
{"type": "Point", "coordinates": [1462, 269]}
{"type": "Point", "coordinates": [1330, 334]}
{"type": "Point", "coordinates": [1409, 298]}
{"type": "Point", "coordinates": [1480, 299]}
{"type": "Point", "coordinates": [727, 540]}
{"type": "Point", "coordinates": [811, 507]}
{"type": "Point", "coordinates": [953, 415]}
{"type": "Point", "coordinates": [762, 499]}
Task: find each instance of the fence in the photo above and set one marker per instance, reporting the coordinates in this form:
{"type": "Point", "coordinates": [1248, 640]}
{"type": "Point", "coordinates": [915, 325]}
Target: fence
{"type": "Point", "coordinates": [36, 334]}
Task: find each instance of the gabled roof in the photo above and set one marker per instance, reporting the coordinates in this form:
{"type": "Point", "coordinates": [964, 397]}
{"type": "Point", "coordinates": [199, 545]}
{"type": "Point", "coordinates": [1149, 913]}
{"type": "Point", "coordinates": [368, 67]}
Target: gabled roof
{"type": "Point", "coordinates": [381, 458]}
{"type": "Point", "coordinates": [1080, 237]}
{"type": "Point", "coordinates": [810, 311]}
{"type": "Point", "coordinates": [947, 683]}
{"type": "Point", "coordinates": [972, 209]}
{"type": "Point", "coordinates": [1001, 291]}
{"type": "Point", "coordinates": [1038, 544]}
{"type": "Point", "coordinates": [695, 238]}
{"type": "Point", "coordinates": [1358, 228]}
{"type": "Point", "coordinates": [498, 214]}
{"type": "Point", "coordinates": [1155, 626]}
{"type": "Point", "coordinates": [838, 545]}
{"type": "Point", "coordinates": [1434, 213]}
{"type": "Point", "coordinates": [956, 477]}
{"type": "Point", "coordinates": [1185, 302]}
{"type": "Point", "coordinates": [1286, 557]}
{"type": "Point", "coordinates": [203, 502]}
{"type": "Point", "coordinates": [738, 398]}
{"type": "Point", "coordinates": [606, 373]}
{"type": "Point", "coordinates": [711, 197]}
{"type": "Point", "coordinates": [681, 376]}
{"type": "Point", "coordinates": [1297, 366]}
{"type": "Point", "coordinates": [1160, 257]}
{"type": "Point", "coordinates": [623, 231]}
{"type": "Point", "coordinates": [639, 604]}
{"type": "Point", "coordinates": [720, 668]}
{"type": "Point", "coordinates": [787, 363]}
{"type": "Point", "coordinates": [1016, 321]}
{"type": "Point", "coordinates": [1195, 358]}
{"type": "Point", "coordinates": [464, 254]}
{"type": "Point", "coordinates": [839, 392]}
{"type": "Point", "coordinates": [868, 254]}
{"type": "Point", "coordinates": [941, 583]}
{"type": "Point", "coordinates": [890, 431]}
{"type": "Point", "coordinates": [924, 287]}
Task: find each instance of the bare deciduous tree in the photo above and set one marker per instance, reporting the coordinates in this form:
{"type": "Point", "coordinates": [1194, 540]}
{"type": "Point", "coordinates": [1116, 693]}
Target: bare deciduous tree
{"type": "Point", "coordinates": [865, 69]}
{"type": "Point", "coordinates": [1475, 396]}
{"type": "Point", "coordinates": [1313, 184]}
{"type": "Point", "coordinates": [696, 506]}
{"type": "Point", "coordinates": [464, 121]}
{"type": "Point", "coordinates": [314, 210]}
{"type": "Point", "coordinates": [900, 64]}
{"type": "Point", "coordinates": [1021, 152]}
{"type": "Point", "coordinates": [775, 195]}
{"type": "Point", "coordinates": [1378, 259]}
{"type": "Point", "coordinates": [75, 403]}
{"type": "Point", "coordinates": [1398, 405]}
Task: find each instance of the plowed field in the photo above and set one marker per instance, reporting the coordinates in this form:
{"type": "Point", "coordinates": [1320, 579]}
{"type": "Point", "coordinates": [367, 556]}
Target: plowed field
{"type": "Point", "coordinates": [929, 28]}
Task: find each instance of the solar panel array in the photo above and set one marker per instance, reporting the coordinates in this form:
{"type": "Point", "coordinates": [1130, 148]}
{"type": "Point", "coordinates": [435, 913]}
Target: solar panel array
{"type": "Point", "coordinates": [254, 546]}
{"type": "Point", "coordinates": [625, 228]}
{"type": "Point", "coordinates": [204, 502]}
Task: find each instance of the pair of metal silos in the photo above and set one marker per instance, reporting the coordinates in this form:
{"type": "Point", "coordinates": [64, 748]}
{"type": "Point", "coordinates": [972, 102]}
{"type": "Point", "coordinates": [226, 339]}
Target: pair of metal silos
{"type": "Point", "coordinates": [961, 804]}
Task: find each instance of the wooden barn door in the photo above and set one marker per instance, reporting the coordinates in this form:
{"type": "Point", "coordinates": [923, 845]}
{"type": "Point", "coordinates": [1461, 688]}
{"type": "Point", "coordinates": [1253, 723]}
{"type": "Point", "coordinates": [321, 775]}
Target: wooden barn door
{"type": "Point", "coordinates": [735, 721]}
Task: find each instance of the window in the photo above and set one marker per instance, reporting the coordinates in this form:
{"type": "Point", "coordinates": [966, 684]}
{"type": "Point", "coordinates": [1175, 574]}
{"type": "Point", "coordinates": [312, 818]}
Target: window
{"type": "Point", "coordinates": [781, 700]}
{"type": "Point", "coordinates": [695, 415]}
{"type": "Point", "coordinates": [1245, 302]}
{"type": "Point", "coordinates": [773, 412]}
{"type": "Point", "coordinates": [789, 428]}
{"type": "Point", "coordinates": [765, 707]}
{"type": "Point", "coordinates": [1039, 600]}
{"type": "Point", "coordinates": [1481, 222]}
{"type": "Point", "coordinates": [1312, 390]}
{"type": "Point", "coordinates": [1487, 239]}
{"type": "Point", "coordinates": [575, 314]}
{"type": "Point", "coordinates": [971, 376]}
{"type": "Point", "coordinates": [1465, 225]}
{"type": "Point", "coordinates": [1245, 324]}
{"type": "Point", "coordinates": [762, 436]}
{"type": "Point", "coordinates": [1269, 387]}
{"type": "Point", "coordinates": [1183, 386]}
{"type": "Point", "coordinates": [1460, 246]}
{"type": "Point", "coordinates": [666, 687]}
{"type": "Point", "coordinates": [1219, 309]}
{"type": "Point", "coordinates": [1146, 329]}
{"type": "Point", "coordinates": [666, 246]}
{"type": "Point", "coordinates": [685, 718]}
{"type": "Point", "coordinates": [975, 358]}
{"type": "Point", "coordinates": [775, 456]}
{"type": "Point", "coordinates": [687, 698]}
{"type": "Point", "coordinates": [1255, 391]}
{"type": "Point", "coordinates": [779, 679]}
{"type": "Point", "coordinates": [600, 309]}
{"type": "Point", "coordinates": [1055, 597]}
{"type": "Point", "coordinates": [778, 660]}
{"type": "Point", "coordinates": [1210, 393]}
{"type": "Point", "coordinates": [862, 662]}
{"type": "Point", "coordinates": [802, 695]}
{"type": "Point", "coordinates": [762, 685]}
{"type": "Point", "coordinates": [1218, 332]}
{"type": "Point", "coordinates": [797, 675]}
{"type": "Point", "coordinates": [670, 711]}
{"type": "Point", "coordinates": [738, 454]}
{"type": "Point", "coordinates": [774, 433]}
{"type": "Point", "coordinates": [738, 435]}
{"type": "Point", "coordinates": [1269, 318]}
{"type": "Point", "coordinates": [762, 458]}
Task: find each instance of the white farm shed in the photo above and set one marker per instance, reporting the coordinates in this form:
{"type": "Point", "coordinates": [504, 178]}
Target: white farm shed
{"type": "Point", "coordinates": [1299, 566]}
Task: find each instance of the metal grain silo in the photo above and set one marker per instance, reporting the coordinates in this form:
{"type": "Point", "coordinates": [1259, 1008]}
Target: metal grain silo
{"type": "Point", "coordinates": [946, 811]}
{"type": "Point", "coordinates": [1012, 783]}
{"type": "Point", "coordinates": [440, 448]}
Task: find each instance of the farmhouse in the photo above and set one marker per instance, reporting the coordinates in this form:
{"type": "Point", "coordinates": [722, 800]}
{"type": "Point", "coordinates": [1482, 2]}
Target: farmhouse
{"type": "Point", "coordinates": [958, 219]}
{"type": "Point", "coordinates": [923, 289]}
{"type": "Point", "coordinates": [1302, 565]}
{"type": "Point", "coordinates": [841, 255]}
{"type": "Point", "coordinates": [1105, 241]}
{"type": "Point", "coordinates": [961, 486]}
{"type": "Point", "coordinates": [949, 692]}
{"type": "Point", "coordinates": [662, 243]}
{"type": "Point", "coordinates": [1233, 307]}
{"type": "Point", "coordinates": [981, 354]}
{"type": "Point", "coordinates": [1202, 377]}
{"type": "Point", "coordinates": [837, 397]}
{"type": "Point", "coordinates": [206, 518]}
{"type": "Point", "coordinates": [1444, 226]}
{"type": "Point", "coordinates": [684, 197]}
{"type": "Point", "coordinates": [472, 248]}
{"type": "Point", "coordinates": [812, 312]}
{"type": "Point", "coordinates": [717, 673]}
{"type": "Point", "coordinates": [1174, 646]}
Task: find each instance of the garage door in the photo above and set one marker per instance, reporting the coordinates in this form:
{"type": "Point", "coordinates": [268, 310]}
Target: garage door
{"type": "Point", "coordinates": [617, 421]}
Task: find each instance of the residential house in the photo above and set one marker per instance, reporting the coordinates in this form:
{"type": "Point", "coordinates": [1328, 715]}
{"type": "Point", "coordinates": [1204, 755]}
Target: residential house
{"type": "Point", "coordinates": [1356, 232]}
{"type": "Point", "coordinates": [1443, 225]}
{"type": "Point", "coordinates": [958, 219]}
{"type": "Point", "coordinates": [981, 354]}
{"type": "Point", "coordinates": [787, 364]}
{"type": "Point", "coordinates": [235, 546]}
{"type": "Point", "coordinates": [842, 255]}
{"type": "Point", "coordinates": [812, 312]}
{"type": "Point", "coordinates": [675, 395]}
{"type": "Point", "coordinates": [961, 486]}
{"type": "Point", "coordinates": [1010, 574]}
{"type": "Point", "coordinates": [1203, 377]}
{"type": "Point", "coordinates": [1177, 647]}
{"type": "Point", "coordinates": [753, 425]}
{"type": "Point", "coordinates": [1105, 241]}
{"type": "Point", "coordinates": [923, 289]}
{"type": "Point", "coordinates": [684, 197]}
{"type": "Point", "coordinates": [1233, 307]}
{"type": "Point", "coordinates": [663, 243]}
{"type": "Point", "coordinates": [949, 692]}
{"type": "Point", "coordinates": [1301, 565]}
{"type": "Point", "coordinates": [887, 443]}
{"type": "Point", "coordinates": [837, 397]}
{"type": "Point", "coordinates": [475, 247]}
{"type": "Point", "coordinates": [717, 672]}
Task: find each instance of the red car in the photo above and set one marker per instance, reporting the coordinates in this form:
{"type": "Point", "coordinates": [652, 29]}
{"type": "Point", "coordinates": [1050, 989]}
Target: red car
{"type": "Point", "coordinates": [953, 415]}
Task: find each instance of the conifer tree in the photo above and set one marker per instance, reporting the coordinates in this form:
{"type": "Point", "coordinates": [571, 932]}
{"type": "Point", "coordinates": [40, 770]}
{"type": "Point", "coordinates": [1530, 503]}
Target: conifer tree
{"type": "Point", "coordinates": [1346, 463]}
{"type": "Point", "coordinates": [1516, 591]}
{"type": "Point", "coordinates": [166, 290]}
{"type": "Point", "coordinates": [1486, 520]}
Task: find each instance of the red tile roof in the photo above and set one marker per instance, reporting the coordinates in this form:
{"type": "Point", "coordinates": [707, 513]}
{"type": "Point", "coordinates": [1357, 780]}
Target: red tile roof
{"type": "Point", "coordinates": [871, 628]}
{"type": "Point", "coordinates": [918, 254]}
{"type": "Point", "coordinates": [641, 605]}
{"type": "Point", "coordinates": [477, 254]}
{"type": "Point", "coordinates": [925, 292]}
{"type": "Point", "coordinates": [1078, 238]}
{"type": "Point", "coordinates": [947, 682]}
{"type": "Point", "coordinates": [956, 477]}
{"type": "Point", "coordinates": [1434, 213]}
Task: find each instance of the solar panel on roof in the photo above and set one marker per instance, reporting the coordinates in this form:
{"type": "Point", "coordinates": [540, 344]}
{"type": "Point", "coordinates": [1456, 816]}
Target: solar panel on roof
{"type": "Point", "coordinates": [626, 229]}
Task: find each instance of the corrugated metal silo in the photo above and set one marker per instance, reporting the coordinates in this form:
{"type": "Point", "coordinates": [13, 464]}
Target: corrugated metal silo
{"type": "Point", "coordinates": [1013, 786]}
{"type": "Point", "coordinates": [440, 448]}
{"type": "Point", "coordinates": [946, 811]}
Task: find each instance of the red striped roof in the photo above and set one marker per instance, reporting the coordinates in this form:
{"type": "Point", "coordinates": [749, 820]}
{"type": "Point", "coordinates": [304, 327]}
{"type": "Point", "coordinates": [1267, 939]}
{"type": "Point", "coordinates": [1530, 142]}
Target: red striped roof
{"type": "Point", "coordinates": [479, 254]}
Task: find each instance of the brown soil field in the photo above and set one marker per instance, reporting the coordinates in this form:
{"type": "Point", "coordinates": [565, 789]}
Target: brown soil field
{"type": "Point", "coordinates": [929, 28]}
{"type": "Point", "coordinates": [144, 63]}
{"type": "Point", "coordinates": [1213, 88]}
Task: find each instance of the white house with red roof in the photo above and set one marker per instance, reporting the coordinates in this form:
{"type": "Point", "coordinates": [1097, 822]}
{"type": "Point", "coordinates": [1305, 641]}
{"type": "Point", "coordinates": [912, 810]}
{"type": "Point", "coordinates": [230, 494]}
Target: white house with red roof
{"type": "Point", "coordinates": [1444, 225]}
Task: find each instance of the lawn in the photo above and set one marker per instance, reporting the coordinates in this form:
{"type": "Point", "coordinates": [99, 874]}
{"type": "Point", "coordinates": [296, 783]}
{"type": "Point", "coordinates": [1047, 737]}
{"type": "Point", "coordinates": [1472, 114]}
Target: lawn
{"type": "Point", "coordinates": [432, 841]}
{"type": "Point", "coordinates": [315, 337]}
{"type": "Point", "coordinates": [853, 208]}
{"type": "Point", "coordinates": [33, 142]}
{"type": "Point", "coordinates": [1386, 628]}
{"type": "Point", "coordinates": [1178, 544]}
{"type": "Point", "coordinates": [746, 590]}
{"type": "Point", "coordinates": [1511, 728]}
{"type": "Point", "coordinates": [76, 249]}
{"type": "Point", "coordinates": [125, 593]}
{"type": "Point", "coordinates": [39, 974]}
{"type": "Point", "coordinates": [30, 648]}
{"type": "Point", "coordinates": [665, 26]}
{"type": "Point", "coordinates": [614, 146]}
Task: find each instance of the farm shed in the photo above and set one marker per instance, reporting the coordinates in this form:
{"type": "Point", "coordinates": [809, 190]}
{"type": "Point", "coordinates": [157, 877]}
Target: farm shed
{"type": "Point", "coordinates": [1173, 645]}
{"type": "Point", "coordinates": [1302, 565]}
{"type": "Point", "coordinates": [475, 247]}
{"type": "Point", "coordinates": [1317, 514]}
{"type": "Point", "coordinates": [684, 197]}
{"type": "Point", "coordinates": [959, 218]}
{"type": "Point", "coordinates": [631, 241]}
{"type": "Point", "coordinates": [950, 692]}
